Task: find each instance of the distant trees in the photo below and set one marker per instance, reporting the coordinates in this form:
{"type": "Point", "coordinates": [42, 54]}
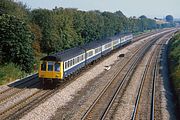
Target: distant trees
{"type": "Point", "coordinates": [169, 18]}
{"type": "Point", "coordinates": [146, 23]}
{"type": "Point", "coordinates": [143, 17]}
{"type": "Point", "coordinates": [65, 28]}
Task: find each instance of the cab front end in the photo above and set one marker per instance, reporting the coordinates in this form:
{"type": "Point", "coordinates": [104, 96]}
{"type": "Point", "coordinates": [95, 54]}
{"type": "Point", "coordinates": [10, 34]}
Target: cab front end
{"type": "Point", "coordinates": [50, 71]}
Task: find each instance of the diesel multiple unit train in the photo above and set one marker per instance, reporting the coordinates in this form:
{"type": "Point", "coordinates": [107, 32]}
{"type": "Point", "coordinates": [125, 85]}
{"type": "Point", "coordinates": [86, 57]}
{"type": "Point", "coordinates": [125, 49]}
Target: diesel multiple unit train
{"type": "Point", "coordinates": [60, 65]}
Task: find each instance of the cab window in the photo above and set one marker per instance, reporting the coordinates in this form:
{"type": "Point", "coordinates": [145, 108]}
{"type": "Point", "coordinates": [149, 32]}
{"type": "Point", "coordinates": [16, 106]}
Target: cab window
{"type": "Point", "coordinates": [57, 67]}
{"type": "Point", "coordinates": [50, 66]}
{"type": "Point", "coordinates": [43, 66]}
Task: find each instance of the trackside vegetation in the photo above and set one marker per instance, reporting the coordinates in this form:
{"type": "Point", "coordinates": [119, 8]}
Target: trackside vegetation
{"type": "Point", "coordinates": [10, 72]}
{"type": "Point", "coordinates": [174, 62]}
{"type": "Point", "coordinates": [26, 35]}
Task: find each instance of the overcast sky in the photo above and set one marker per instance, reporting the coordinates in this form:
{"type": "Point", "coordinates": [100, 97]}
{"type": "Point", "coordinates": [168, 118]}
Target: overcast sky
{"type": "Point", "coordinates": [150, 8]}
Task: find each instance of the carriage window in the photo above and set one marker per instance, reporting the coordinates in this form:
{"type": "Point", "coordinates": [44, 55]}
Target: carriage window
{"type": "Point", "coordinates": [77, 59]}
{"type": "Point", "coordinates": [43, 66]}
{"type": "Point", "coordinates": [90, 53]}
{"type": "Point", "coordinates": [50, 66]}
{"type": "Point", "coordinates": [82, 57]}
{"type": "Point", "coordinates": [71, 63]}
{"type": "Point", "coordinates": [97, 50]}
{"type": "Point", "coordinates": [57, 67]}
{"type": "Point", "coordinates": [68, 63]}
{"type": "Point", "coordinates": [65, 65]}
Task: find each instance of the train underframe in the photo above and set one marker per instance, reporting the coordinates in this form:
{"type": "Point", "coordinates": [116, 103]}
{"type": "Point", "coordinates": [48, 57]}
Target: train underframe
{"type": "Point", "coordinates": [49, 81]}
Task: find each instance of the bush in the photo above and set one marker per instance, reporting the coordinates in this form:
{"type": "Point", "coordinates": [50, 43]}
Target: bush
{"type": "Point", "coordinates": [10, 72]}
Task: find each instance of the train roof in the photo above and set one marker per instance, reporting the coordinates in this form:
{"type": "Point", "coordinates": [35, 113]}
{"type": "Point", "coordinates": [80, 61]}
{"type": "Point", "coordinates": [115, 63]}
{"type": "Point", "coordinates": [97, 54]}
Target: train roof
{"type": "Point", "coordinates": [91, 45]}
{"type": "Point", "coordinates": [73, 52]}
{"type": "Point", "coordinates": [120, 35]}
{"type": "Point", "coordinates": [104, 41]}
{"type": "Point", "coordinates": [64, 55]}
{"type": "Point", "coordinates": [109, 39]}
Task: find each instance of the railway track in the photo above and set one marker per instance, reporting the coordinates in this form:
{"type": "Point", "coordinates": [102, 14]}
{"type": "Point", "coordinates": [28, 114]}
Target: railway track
{"type": "Point", "coordinates": [153, 61]}
{"type": "Point", "coordinates": [19, 88]}
{"type": "Point", "coordinates": [141, 87]}
{"type": "Point", "coordinates": [15, 91]}
{"type": "Point", "coordinates": [99, 109]}
{"type": "Point", "coordinates": [20, 83]}
{"type": "Point", "coordinates": [27, 104]}
{"type": "Point", "coordinates": [10, 112]}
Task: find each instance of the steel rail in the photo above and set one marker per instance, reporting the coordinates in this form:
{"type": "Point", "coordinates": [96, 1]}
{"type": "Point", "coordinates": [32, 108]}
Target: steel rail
{"type": "Point", "coordinates": [155, 70]}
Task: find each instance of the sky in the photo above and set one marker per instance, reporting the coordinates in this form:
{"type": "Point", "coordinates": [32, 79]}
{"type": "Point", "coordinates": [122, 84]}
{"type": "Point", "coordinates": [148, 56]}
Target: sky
{"type": "Point", "coordinates": [150, 8]}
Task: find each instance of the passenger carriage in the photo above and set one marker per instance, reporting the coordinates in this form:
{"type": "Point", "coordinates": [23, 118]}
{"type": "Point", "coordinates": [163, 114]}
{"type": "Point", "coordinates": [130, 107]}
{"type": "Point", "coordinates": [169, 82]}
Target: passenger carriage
{"type": "Point", "coordinates": [107, 46]}
{"type": "Point", "coordinates": [93, 51]}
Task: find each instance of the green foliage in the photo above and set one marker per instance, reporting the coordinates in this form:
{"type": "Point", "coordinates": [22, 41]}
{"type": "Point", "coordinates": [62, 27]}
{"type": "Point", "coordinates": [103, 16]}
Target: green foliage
{"type": "Point", "coordinates": [50, 35]}
{"type": "Point", "coordinates": [174, 58]}
{"type": "Point", "coordinates": [35, 29]}
{"type": "Point", "coordinates": [67, 28]}
{"type": "Point", "coordinates": [15, 42]}
{"type": "Point", "coordinates": [17, 9]}
{"type": "Point", "coordinates": [175, 49]}
{"type": "Point", "coordinates": [10, 72]}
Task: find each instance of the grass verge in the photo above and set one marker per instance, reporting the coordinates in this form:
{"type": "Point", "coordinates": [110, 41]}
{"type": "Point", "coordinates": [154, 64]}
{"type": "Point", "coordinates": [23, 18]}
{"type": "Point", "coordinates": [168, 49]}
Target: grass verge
{"type": "Point", "coordinates": [10, 72]}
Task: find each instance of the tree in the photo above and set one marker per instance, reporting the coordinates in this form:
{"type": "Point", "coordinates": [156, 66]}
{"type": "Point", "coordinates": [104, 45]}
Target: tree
{"type": "Point", "coordinates": [169, 18]}
{"type": "Point", "coordinates": [143, 17]}
{"type": "Point", "coordinates": [37, 38]}
{"type": "Point", "coordinates": [17, 9]}
{"type": "Point", "coordinates": [44, 19]}
{"type": "Point", "coordinates": [16, 42]}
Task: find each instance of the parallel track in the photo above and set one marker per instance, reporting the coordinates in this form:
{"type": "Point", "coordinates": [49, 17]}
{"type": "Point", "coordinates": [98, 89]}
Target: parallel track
{"type": "Point", "coordinates": [20, 83]}
{"type": "Point", "coordinates": [13, 91]}
{"type": "Point", "coordinates": [154, 56]}
{"type": "Point", "coordinates": [141, 86]}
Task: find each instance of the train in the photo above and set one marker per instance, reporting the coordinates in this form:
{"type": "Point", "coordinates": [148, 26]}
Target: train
{"type": "Point", "coordinates": [59, 66]}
